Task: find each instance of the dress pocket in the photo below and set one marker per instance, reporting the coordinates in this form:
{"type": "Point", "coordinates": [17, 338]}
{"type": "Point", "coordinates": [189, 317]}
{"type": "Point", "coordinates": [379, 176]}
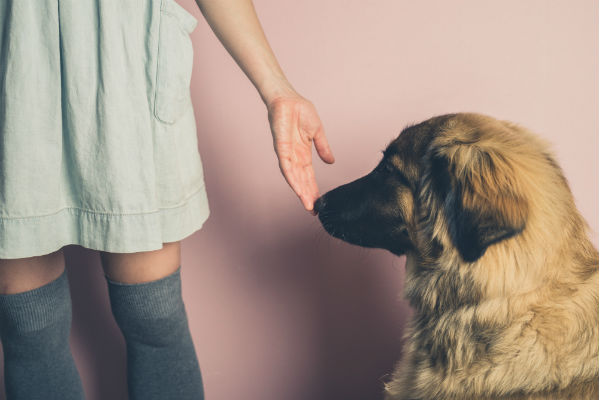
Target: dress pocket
{"type": "Point", "coordinates": [174, 62]}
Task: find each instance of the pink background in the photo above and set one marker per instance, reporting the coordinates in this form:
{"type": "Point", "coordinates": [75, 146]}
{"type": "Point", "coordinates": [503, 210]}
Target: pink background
{"type": "Point", "coordinates": [279, 310]}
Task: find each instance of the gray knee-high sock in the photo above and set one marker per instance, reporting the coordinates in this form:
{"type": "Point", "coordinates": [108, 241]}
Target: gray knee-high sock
{"type": "Point", "coordinates": [34, 330]}
{"type": "Point", "coordinates": [161, 359]}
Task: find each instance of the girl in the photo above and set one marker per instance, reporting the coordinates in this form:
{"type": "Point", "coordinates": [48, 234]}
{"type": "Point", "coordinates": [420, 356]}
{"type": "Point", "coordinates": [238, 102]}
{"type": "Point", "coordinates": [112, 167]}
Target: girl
{"type": "Point", "coordinates": [98, 148]}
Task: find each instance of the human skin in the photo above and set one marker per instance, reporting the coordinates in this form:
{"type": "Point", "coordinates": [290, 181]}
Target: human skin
{"type": "Point", "coordinates": [295, 124]}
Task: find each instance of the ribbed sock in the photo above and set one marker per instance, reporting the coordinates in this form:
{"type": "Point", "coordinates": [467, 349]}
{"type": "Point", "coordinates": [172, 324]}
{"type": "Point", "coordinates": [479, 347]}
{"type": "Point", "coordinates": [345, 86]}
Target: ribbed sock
{"type": "Point", "coordinates": [34, 330]}
{"type": "Point", "coordinates": [161, 359]}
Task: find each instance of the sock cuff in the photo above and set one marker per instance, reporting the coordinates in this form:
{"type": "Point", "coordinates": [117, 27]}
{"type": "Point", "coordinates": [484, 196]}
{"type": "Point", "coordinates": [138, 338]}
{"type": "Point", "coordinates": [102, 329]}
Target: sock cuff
{"type": "Point", "coordinates": [148, 300]}
{"type": "Point", "coordinates": [37, 308]}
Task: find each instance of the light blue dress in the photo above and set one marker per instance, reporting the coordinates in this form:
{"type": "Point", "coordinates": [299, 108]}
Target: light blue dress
{"type": "Point", "coordinates": [98, 141]}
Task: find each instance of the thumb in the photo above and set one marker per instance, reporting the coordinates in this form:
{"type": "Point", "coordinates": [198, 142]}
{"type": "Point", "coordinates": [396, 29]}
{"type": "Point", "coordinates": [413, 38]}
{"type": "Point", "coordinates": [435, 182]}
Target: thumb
{"type": "Point", "coordinates": [322, 147]}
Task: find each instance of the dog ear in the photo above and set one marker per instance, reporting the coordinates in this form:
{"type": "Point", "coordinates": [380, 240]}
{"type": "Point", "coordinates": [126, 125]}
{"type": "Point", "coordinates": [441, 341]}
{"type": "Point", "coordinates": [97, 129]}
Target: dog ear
{"type": "Point", "coordinates": [479, 196]}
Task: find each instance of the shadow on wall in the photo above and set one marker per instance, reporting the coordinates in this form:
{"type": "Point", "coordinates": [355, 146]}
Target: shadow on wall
{"type": "Point", "coordinates": [346, 301]}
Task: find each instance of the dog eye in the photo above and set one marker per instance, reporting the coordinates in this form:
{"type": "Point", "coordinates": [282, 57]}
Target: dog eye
{"type": "Point", "coordinates": [389, 168]}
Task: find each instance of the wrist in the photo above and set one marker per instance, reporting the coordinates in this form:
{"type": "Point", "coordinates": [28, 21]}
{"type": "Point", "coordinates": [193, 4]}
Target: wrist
{"type": "Point", "coordinates": [275, 88]}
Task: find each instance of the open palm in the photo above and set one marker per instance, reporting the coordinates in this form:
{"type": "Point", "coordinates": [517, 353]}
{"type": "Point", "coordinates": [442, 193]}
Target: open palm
{"type": "Point", "coordinates": [295, 125]}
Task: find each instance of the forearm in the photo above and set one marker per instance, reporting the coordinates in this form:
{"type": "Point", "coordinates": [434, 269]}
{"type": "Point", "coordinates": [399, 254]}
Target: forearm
{"type": "Point", "coordinates": [236, 25]}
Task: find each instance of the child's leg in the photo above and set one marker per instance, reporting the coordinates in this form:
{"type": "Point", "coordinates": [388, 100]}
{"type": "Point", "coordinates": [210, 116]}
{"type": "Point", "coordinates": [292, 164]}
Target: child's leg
{"type": "Point", "coordinates": [34, 330]}
{"type": "Point", "coordinates": [161, 359]}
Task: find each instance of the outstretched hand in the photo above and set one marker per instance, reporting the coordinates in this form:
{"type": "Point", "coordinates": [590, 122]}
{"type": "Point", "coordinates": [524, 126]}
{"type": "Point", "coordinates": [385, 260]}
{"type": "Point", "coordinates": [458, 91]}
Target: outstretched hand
{"type": "Point", "coordinates": [295, 125]}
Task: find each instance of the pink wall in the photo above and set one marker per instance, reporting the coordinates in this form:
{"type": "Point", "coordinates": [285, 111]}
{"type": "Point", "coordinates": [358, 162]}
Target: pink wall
{"type": "Point", "coordinates": [279, 310]}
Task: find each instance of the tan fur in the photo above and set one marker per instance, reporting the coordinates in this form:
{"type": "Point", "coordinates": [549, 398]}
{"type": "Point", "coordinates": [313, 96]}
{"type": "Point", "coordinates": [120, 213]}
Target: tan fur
{"type": "Point", "coordinates": [531, 330]}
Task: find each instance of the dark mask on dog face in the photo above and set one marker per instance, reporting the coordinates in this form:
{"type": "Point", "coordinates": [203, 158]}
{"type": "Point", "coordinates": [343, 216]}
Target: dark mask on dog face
{"type": "Point", "coordinates": [370, 211]}
{"type": "Point", "coordinates": [377, 209]}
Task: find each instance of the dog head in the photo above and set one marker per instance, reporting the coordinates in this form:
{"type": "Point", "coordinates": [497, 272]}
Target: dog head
{"type": "Point", "coordinates": [454, 184]}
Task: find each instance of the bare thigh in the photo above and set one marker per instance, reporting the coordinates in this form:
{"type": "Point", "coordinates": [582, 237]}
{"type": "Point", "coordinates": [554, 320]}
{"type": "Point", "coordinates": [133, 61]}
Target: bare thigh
{"type": "Point", "coordinates": [144, 266]}
{"type": "Point", "coordinates": [24, 274]}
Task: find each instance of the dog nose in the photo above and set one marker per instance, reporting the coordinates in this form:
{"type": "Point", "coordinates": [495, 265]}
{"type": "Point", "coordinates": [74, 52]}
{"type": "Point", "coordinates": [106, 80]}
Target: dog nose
{"type": "Point", "coordinates": [319, 204]}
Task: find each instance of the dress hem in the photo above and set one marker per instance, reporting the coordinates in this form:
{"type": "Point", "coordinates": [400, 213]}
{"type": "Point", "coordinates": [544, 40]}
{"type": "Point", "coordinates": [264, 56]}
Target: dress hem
{"type": "Point", "coordinates": [116, 233]}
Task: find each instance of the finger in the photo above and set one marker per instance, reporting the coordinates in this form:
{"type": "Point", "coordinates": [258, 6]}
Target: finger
{"type": "Point", "coordinates": [305, 186]}
{"type": "Point", "coordinates": [308, 205]}
{"type": "Point", "coordinates": [306, 193]}
{"type": "Point", "coordinates": [322, 147]}
{"type": "Point", "coordinates": [309, 186]}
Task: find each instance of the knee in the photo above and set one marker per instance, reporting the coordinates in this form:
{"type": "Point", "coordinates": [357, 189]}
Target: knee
{"type": "Point", "coordinates": [47, 309]}
{"type": "Point", "coordinates": [152, 312]}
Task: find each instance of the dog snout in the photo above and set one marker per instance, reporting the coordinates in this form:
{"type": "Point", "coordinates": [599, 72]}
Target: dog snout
{"type": "Point", "coordinates": [319, 204]}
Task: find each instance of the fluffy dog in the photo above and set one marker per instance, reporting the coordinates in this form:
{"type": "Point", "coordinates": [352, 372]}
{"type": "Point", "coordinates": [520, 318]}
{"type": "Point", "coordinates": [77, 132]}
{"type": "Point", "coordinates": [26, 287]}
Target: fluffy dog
{"type": "Point", "coordinates": [499, 269]}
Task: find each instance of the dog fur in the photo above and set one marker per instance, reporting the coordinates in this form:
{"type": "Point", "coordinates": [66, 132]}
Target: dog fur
{"type": "Point", "coordinates": [500, 272]}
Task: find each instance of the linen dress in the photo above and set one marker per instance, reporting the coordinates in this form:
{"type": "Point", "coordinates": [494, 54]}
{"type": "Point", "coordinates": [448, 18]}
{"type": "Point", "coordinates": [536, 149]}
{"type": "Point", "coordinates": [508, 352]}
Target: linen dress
{"type": "Point", "coordinates": [98, 141]}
